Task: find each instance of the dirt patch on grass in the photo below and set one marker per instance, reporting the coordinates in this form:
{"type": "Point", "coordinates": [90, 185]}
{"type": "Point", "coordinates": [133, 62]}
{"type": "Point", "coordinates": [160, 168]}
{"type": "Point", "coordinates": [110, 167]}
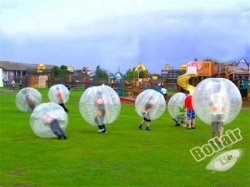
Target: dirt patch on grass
{"type": "Point", "coordinates": [18, 172]}
{"type": "Point", "coordinates": [4, 92]}
{"type": "Point", "coordinates": [22, 185]}
{"type": "Point", "coordinates": [246, 103]}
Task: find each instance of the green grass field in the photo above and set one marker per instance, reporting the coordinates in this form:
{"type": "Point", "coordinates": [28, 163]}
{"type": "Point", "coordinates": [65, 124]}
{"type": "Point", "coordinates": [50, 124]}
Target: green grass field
{"type": "Point", "coordinates": [125, 156]}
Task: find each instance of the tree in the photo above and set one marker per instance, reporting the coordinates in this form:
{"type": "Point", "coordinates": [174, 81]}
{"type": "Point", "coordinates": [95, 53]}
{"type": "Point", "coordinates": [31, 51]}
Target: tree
{"type": "Point", "coordinates": [140, 73]}
{"type": "Point", "coordinates": [63, 67]}
{"type": "Point", "coordinates": [129, 74]}
{"type": "Point", "coordinates": [56, 71]}
{"type": "Point", "coordinates": [143, 74]}
{"type": "Point", "coordinates": [100, 73]}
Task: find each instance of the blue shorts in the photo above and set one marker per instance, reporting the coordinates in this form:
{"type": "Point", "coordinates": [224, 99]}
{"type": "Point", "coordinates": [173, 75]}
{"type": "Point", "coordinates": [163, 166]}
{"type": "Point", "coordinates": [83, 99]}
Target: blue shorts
{"type": "Point", "coordinates": [190, 114]}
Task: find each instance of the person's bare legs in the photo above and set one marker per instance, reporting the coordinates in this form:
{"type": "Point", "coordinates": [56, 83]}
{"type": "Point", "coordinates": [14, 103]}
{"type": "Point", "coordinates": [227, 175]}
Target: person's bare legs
{"type": "Point", "coordinates": [220, 135]}
{"type": "Point", "coordinates": [147, 128]}
{"type": "Point", "coordinates": [189, 123]}
{"type": "Point", "coordinates": [193, 123]}
{"type": "Point", "coordinates": [213, 135]}
{"type": "Point", "coordinates": [140, 126]}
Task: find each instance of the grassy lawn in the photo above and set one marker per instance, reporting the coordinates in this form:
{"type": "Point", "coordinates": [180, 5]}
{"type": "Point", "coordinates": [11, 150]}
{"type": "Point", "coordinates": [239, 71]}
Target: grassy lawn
{"type": "Point", "coordinates": [125, 156]}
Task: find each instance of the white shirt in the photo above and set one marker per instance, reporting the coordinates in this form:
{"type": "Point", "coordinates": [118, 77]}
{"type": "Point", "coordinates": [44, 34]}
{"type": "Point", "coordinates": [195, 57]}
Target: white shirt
{"type": "Point", "coordinates": [164, 91]}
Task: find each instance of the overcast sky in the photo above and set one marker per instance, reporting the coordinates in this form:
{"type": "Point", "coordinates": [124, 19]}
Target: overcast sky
{"type": "Point", "coordinates": [119, 34]}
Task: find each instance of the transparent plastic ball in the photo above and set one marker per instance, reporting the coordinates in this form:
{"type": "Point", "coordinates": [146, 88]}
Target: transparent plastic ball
{"type": "Point", "coordinates": [99, 102]}
{"type": "Point", "coordinates": [27, 99]}
{"type": "Point", "coordinates": [174, 104]}
{"type": "Point", "coordinates": [216, 97]}
{"type": "Point", "coordinates": [58, 93]}
{"type": "Point", "coordinates": [150, 97]}
{"type": "Point", "coordinates": [38, 123]}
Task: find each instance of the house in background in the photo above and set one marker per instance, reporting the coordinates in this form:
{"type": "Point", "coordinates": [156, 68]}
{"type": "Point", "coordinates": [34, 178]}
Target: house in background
{"type": "Point", "coordinates": [17, 71]}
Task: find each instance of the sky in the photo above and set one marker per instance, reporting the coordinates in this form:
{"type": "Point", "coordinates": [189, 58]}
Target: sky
{"type": "Point", "coordinates": [118, 35]}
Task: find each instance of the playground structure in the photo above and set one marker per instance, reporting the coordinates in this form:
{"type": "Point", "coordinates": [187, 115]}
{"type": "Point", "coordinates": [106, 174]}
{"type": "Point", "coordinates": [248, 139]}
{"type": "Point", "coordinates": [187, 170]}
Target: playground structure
{"type": "Point", "coordinates": [169, 76]}
{"type": "Point", "coordinates": [133, 87]}
{"type": "Point", "coordinates": [125, 87]}
{"type": "Point", "coordinates": [187, 77]}
{"type": "Point", "coordinates": [196, 71]}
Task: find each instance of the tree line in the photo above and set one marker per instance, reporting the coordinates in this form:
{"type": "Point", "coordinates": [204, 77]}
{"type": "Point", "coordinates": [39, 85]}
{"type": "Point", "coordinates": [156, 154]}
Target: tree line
{"type": "Point", "coordinates": [104, 74]}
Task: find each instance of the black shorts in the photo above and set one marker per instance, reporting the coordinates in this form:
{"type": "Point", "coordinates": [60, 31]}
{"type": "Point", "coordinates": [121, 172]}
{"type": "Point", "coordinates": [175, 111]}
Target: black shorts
{"type": "Point", "coordinates": [147, 120]}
